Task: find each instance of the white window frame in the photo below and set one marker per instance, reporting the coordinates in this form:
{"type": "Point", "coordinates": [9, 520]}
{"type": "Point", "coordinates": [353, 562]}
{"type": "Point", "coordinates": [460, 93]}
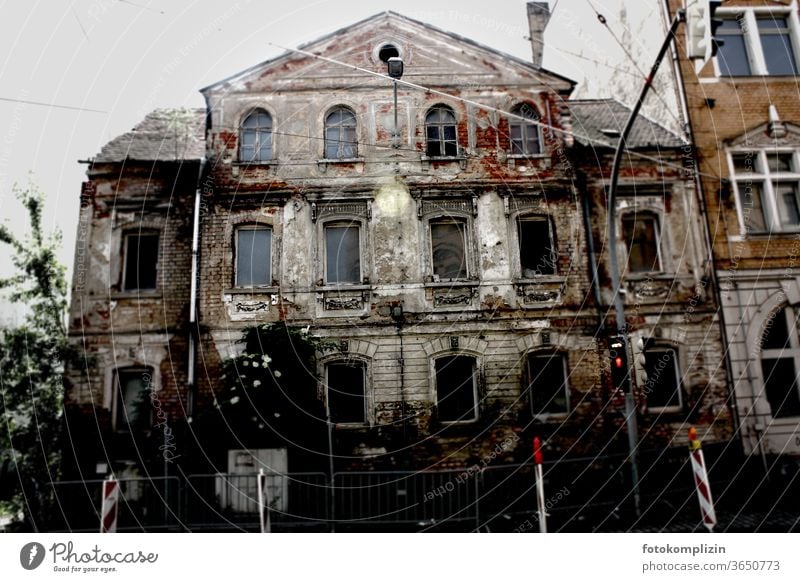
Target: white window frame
{"type": "Point", "coordinates": [660, 347]}
{"type": "Point", "coordinates": [762, 175]}
{"type": "Point", "coordinates": [452, 219]}
{"type": "Point", "coordinates": [253, 226]}
{"type": "Point", "coordinates": [476, 368]}
{"type": "Point", "coordinates": [792, 352]}
{"type": "Point", "coordinates": [755, 54]}
{"type": "Point", "coordinates": [369, 416]}
{"type": "Point", "coordinates": [343, 222]}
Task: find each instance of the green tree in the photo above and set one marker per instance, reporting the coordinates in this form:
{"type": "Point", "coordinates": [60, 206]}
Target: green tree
{"type": "Point", "coordinates": [268, 396]}
{"type": "Point", "coordinates": [32, 356]}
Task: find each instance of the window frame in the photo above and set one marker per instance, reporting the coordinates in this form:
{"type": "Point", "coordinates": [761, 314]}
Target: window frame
{"type": "Point", "coordinates": [369, 412]}
{"type": "Point", "coordinates": [270, 263]}
{"type": "Point", "coordinates": [655, 347]}
{"type": "Point", "coordinates": [752, 36]}
{"type": "Point", "coordinates": [518, 109]}
{"type": "Point", "coordinates": [453, 219]}
{"type": "Point", "coordinates": [259, 131]}
{"type": "Point", "coordinates": [790, 313]}
{"type": "Point", "coordinates": [341, 143]}
{"type": "Point", "coordinates": [529, 380]}
{"type": "Point", "coordinates": [529, 216]}
{"type": "Point", "coordinates": [476, 380]}
{"type": "Point", "coordinates": [139, 233]}
{"type": "Point", "coordinates": [339, 222]}
{"type": "Point", "coordinates": [766, 179]}
{"type": "Point", "coordinates": [639, 214]}
{"type": "Point", "coordinates": [116, 393]}
{"type": "Point", "coordinates": [441, 140]}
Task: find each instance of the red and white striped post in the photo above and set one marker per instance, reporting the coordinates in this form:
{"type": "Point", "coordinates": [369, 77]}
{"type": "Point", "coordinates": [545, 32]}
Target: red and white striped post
{"type": "Point", "coordinates": [701, 481]}
{"type": "Point", "coordinates": [537, 459]}
{"type": "Point", "coordinates": [108, 513]}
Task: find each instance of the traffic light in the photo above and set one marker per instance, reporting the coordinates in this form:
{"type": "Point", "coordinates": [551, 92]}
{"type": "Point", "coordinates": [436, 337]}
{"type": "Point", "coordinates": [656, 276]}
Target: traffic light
{"type": "Point", "coordinates": [620, 376]}
{"type": "Point", "coordinates": [701, 28]}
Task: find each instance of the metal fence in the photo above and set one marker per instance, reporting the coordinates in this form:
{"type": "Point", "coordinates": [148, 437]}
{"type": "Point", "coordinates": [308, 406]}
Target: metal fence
{"type": "Point", "coordinates": [582, 494]}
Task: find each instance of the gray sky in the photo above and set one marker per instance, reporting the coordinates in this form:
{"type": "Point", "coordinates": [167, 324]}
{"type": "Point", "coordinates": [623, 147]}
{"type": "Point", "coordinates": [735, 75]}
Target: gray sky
{"type": "Point", "coordinates": [126, 57]}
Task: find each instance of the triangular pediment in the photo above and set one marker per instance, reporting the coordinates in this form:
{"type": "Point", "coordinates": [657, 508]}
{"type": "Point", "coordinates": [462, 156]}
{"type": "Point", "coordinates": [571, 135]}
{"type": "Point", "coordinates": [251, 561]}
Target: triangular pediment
{"type": "Point", "coordinates": [432, 58]}
{"type": "Point", "coordinates": [768, 135]}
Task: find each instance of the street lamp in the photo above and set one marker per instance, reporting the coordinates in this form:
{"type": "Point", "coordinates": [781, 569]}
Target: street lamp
{"type": "Point", "coordinates": [394, 66]}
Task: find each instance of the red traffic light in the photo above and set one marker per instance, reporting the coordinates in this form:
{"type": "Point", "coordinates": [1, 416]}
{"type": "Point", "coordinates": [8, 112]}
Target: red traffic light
{"type": "Point", "coordinates": [618, 362]}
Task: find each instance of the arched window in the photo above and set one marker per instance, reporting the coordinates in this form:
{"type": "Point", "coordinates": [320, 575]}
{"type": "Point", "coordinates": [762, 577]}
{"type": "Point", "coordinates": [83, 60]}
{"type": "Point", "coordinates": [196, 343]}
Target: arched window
{"type": "Point", "coordinates": [780, 362]}
{"type": "Point", "coordinates": [440, 132]}
{"type": "Point", "coordinates": [524, 134]}
{"type": "Point", "coordinates": [340, 134]}
{"type": "Point", "coordinates": [255, 137]}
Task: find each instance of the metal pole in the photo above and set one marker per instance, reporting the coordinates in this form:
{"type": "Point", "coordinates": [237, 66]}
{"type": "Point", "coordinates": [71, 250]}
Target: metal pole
{"type": "Point", "coordinates": [396, 134]}
{"type": "Point", "coordinates": [619, 305]}
{"type": "Point", "coordinates": [330, 463]}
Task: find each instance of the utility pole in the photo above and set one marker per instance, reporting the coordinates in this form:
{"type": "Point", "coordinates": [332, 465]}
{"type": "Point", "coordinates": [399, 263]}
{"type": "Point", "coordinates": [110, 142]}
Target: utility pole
{"type": "Point", "coordinates": [620, 342]}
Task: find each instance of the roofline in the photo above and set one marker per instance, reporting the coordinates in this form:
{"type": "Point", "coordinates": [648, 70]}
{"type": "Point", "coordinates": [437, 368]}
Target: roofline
{"type": "Point", "coordinates": [376, 16]}
{"type": "Point", "coordinates": [638, 115]}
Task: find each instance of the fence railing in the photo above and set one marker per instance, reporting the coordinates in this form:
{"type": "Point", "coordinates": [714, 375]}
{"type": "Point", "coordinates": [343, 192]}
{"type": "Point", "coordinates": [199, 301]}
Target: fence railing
{"type": "Point", "coordinates": [581, 494]}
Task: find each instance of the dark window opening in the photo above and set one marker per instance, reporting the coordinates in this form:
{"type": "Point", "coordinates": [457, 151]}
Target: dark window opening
{"type": "Point", "coordinates": [662, 387]}
{"type": "Point", "coordinates": [387, 52]}
{"type": "Point", "coordinates": [133, 410]}
{"type": "Point", "coordinates": [340, 134]}
{"type": "Point", "coordinates": [642, 241]}
{"type": "Point", "coordinates": [141, 259]}
{"type": "Point", "coordinates": [537, 254]}
{"type": "Point", "coordinates": [780, 356]}
{"type": "Point", "coordinates": [448, 247]}
{"type": "Point", "coordinates": [346, 392]}
{"type": "Point", "coordinates": [342, 254]}
{"type": "Point", "coordinates": [253, 257]}
{"type": "Point", "coordinates": [455, 388]}
{"type": "Point", "coordinates": [440, 132]}
{"type": "Point", "coordinates": [547, 388]}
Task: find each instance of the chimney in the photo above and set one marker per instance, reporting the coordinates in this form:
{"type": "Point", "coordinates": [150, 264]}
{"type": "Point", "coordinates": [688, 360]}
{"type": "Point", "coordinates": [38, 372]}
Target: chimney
{"type": "Point", "coordinates": [538, 17]}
